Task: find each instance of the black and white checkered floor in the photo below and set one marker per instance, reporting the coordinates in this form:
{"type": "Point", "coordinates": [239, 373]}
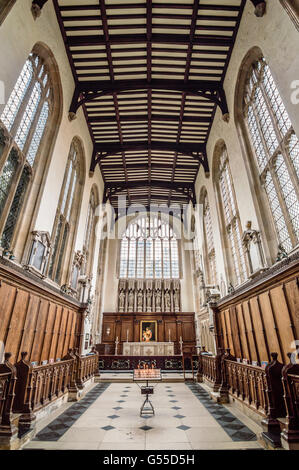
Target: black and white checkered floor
{"type": "Point", "coordinates": [108, 418]}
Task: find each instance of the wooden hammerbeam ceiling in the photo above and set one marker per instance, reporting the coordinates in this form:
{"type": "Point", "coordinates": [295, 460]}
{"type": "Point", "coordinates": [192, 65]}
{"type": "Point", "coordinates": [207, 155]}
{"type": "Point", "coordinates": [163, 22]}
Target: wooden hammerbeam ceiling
{"type": "Point", "coordinates": [149, 78]}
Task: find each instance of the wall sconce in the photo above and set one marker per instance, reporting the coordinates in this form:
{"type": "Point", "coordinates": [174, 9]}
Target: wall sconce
{"type": "Point", "coordinates": [108, 331]}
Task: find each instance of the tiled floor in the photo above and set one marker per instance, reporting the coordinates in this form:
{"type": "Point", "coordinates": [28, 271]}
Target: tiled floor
{"type": "Point", "coordinates": [108, 418]}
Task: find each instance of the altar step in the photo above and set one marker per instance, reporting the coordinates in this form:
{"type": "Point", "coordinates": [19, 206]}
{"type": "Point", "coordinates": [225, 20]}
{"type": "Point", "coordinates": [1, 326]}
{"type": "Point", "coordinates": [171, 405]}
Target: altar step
{"type": "Point", "coordinates": [127, 376]}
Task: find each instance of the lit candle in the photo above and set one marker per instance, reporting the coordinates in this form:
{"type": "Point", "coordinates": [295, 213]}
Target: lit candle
{"type": "Point", "coordinates": [169, 334]}
{"type": "Point", "coordinates": [127, 336]}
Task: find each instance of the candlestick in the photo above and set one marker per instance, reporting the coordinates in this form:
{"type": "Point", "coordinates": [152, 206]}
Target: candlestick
{"type": "Point", "coordinates": [181, 344]}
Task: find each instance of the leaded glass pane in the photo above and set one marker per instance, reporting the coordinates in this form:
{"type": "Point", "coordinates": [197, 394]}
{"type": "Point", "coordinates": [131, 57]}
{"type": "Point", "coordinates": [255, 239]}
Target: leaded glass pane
{"type": "Point", "coordinates": [166, 258]}
{"type": "Point", "coordinates": [158, 258]}
{"type": "Point", "coordinates": [132, 259]}
{"type": "Point", "coordinates": [6, 177]}
{"type": "Point", "coordinates": [276, 147]}
{"type": "Point", "coordinates": [38, 134]}
{"type": "Point", "coordinates": [288, 191]}
{"type": "Point", "coordinates": [14, 102]}
{"type": "Point", "coordinates": [278, 108]}
{"type": "Point", "coordinates": [140, 258]}
{"type": "Point", "coordinates": [143, 253]}
{"type": "Point", "coordinates": [294, 152]}
{"type": "Point", "coordinates": [28, 116]}
{"type": "Point", "coordinates": [123, 258]}
{"type": "Point", "coordinates": [149, 271]}
{"type": "Point", "coordinates": [277, 213]}
{"type": "Point", "coordinates": [174, 259]}
{"type": "Point", "coordinates": [15, 208]}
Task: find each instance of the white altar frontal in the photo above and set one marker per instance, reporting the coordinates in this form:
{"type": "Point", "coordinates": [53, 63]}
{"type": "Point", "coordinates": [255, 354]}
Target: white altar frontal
{"type": "Point", "coordinates": [152, 348]}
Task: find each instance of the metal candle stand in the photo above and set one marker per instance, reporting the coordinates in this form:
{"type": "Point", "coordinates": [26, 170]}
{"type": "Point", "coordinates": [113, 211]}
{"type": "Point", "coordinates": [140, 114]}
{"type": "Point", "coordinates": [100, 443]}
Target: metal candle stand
{"type": "Point", "coordinates": [147, 407]}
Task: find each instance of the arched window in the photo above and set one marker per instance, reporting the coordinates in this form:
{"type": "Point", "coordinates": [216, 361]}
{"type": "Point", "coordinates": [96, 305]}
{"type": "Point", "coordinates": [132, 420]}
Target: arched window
{"type": "Point", "coordinates": [66, 220]}
{"type": "Point", "coordinates": [276, 149]}
{"type": "Point", "coordinates": [149, 250]}
{"type": "Point", "coordinates": [209, 249]}
{"type": "Point", "coordinates": [231, 220]}
{"type": "Point", "coordinates": [23, 123]}
{"type": "Point", "coordinates": [89, 235]}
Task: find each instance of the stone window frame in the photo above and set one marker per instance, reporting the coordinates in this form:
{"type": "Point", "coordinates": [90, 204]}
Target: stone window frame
{"type": "Point", "coordinates": [5, 9]}
{"type": "Point", "coordinates": [236, 267]}
{"type": "Point", "coordinates": [292, 10]}
{"type": "Point", "coordinates": [21, 239]}
{"type": "Point", "coordinates": [171, 225]}
{"type": "Point", "coordinates": [67, 213]}
{"type": "Point", "coordinates": [269, 234]}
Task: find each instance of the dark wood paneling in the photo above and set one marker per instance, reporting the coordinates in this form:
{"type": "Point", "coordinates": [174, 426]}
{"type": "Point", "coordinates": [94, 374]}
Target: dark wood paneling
{"type": "Point", "coordinates": [36, 319]}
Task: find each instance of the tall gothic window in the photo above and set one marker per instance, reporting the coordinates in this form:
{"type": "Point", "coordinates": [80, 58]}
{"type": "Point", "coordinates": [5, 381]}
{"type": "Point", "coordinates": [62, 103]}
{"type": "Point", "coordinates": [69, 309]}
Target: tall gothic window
{"type": "Point", "coordinates": [149, 250]}
{"type": "Point", "coordinates": [24, 121]}
{"type": "Point", "coordinates": [209, 249]}
{"type": "Point", "coordinates": [232, 224]}
{"type": "Point", "coordinates": [66, 217]}
{"type": "Point", "coordinates": [89, 236]}
{"type": "Point", "coordinates": [276, 149]}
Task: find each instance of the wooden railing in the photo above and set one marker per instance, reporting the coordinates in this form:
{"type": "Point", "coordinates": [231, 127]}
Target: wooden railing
{"type": "Point", "coordinates": [271, 392]}
{"type": "Point", "coordinates": [209, 368]}
{"type": "Point", "coordinates": [247, 384]}
{"type": "Point", "coordinates": [87, 368]}
{"type": "Point", "coordinates": [7, 394]}
{"type": "Point", "coordinates": [5, 388]}
{"type": "Point", "coordinates": [25, 389]}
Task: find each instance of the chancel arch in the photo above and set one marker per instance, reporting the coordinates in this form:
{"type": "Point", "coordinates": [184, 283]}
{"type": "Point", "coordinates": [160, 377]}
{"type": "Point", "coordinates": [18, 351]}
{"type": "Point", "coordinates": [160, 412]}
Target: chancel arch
{"type": "Point", "coordinates": [272, 153]}
{"type": "Point", "coordinates": [66, 219]}
{"type": "Point", "coordinates": [27, 137]}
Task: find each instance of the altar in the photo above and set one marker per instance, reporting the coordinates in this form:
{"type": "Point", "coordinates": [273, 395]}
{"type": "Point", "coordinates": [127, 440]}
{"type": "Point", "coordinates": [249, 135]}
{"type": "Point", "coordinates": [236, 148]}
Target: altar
{"type": "Point", "coordinates": [152, 348]}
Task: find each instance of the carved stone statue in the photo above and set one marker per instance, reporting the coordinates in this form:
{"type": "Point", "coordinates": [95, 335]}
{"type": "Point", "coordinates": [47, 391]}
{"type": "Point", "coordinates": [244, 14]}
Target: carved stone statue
{"type": "Point", "coordinates": [139, 300]}
{"type": "Point", "coordinates": [131, 301]}
{"type": "Point", "coordinates": [158, 300]}
{"type": "Point", "coordinates": [149, 300]}
{"type": "Point", "coordinates": [121, 301]}
{"type": "Point", "coordinates": [176, 300]}
{"type": "Point", "coordinates": [167, 301]}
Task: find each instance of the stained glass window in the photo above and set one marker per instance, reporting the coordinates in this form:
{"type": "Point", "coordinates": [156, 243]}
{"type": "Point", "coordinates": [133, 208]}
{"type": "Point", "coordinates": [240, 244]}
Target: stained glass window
{"type": "Point", "coordinates": [231, 220]}
{"type": "Point", "coordinates": [276, 148]}
{"type": "Point", "coordinates": [149, 250]}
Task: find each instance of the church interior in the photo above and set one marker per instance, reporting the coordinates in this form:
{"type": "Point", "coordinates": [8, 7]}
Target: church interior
{"type": "Point", "coordinates": [149, 225]}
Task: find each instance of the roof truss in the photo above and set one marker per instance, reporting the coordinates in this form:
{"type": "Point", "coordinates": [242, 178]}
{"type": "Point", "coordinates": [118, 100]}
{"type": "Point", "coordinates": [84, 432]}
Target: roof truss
{"type": "Point", "coordinates": [149, 78]}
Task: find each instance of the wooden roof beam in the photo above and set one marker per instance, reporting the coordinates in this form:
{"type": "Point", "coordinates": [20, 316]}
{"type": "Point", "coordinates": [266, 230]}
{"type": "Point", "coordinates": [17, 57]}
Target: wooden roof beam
{"type": "Point", "coordinates": [88, 91]}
